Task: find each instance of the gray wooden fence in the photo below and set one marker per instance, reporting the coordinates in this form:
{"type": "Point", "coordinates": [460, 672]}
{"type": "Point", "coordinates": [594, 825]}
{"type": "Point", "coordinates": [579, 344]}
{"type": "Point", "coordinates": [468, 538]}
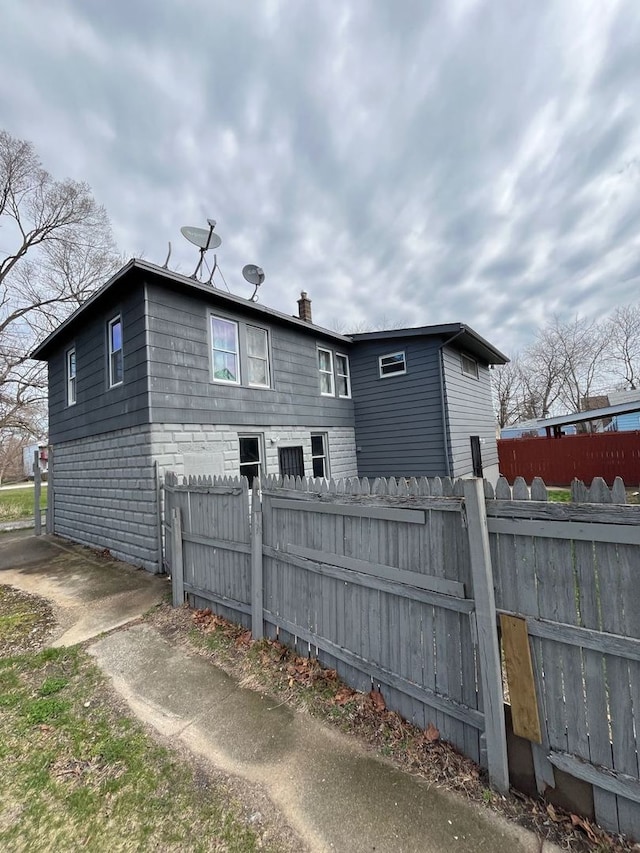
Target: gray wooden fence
{"type": "Point", "coordinates": [398, 585]}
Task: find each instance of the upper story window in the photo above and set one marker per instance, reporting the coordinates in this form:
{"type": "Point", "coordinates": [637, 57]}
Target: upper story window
{"type": "Point", "coordinates": [116, 368]}
{"type": "Point", "coordinates": [394, 364]}
{"type": "Point", "coordinates": [469, 365]}
{"type": "Point", "coordinates": [258, 357]}
{"type": "Point", "coordinates": [343, 378]}
{"type": "Point", "coordinates": [325, 366]}
{"type": "Point", "coordinates": [224, 342]}
{"type": "Point", "coordinates": [71, 376]}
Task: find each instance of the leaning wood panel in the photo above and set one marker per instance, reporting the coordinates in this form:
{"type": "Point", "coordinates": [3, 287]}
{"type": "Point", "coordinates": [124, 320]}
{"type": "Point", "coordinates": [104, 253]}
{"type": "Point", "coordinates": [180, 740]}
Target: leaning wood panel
{"type": "Point", "coordinates": [522, 691]}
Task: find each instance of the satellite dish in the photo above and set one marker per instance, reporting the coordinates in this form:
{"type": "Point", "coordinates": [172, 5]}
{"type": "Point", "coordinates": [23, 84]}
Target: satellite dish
{"type": "Point", "coordinates": [254, 275]}
{"type": "Point", "coordinates": [202, 237]}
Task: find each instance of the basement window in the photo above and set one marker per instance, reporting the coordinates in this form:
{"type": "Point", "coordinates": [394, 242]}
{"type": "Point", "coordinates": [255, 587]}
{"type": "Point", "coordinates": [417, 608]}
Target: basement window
{"type": "Point", "coordinates": [394, 364]}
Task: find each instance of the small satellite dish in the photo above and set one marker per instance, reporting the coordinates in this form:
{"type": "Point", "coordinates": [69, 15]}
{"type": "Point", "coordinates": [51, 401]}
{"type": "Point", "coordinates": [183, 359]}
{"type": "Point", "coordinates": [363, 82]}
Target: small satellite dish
{"type": "Point", "coordinates": [202, 237]}
{"type": "Point", "coordinates": [253, 274]}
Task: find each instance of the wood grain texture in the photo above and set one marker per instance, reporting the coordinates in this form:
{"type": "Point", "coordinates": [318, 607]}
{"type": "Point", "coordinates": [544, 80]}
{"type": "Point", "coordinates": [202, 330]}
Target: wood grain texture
{"type": "Point", "coordinates": [522, 690]}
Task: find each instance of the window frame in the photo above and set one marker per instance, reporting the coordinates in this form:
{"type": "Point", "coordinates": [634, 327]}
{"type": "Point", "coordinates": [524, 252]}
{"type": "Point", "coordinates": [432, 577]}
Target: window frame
{"type": "Point", "coordinates": [213, 349]}
{"type": "Point", "coordinates": [325, 454]}
{"type": "Point", "coordinates": [266, 359]}
{"type": "Point", "coordinates": [72, 380]}
{"type": "Point", "coordinates": [346, 375]}
{"type": "Point", "coordinates": [402, 372]}
{"type": "Point", "coordinates": [117, 319]}
{"type": "Point", "coordinates": [330, 372]}
{"type": "Point", "coordinates": [261, 455]}
{"type": "Point", "coordinates": [475, 373]}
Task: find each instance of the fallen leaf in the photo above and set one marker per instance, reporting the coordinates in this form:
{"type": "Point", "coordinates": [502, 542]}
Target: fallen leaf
{"type": "Point", "coordinates": [553, 814]}
{"type": "Point", "coordinates": [377, 700]}
{"type": "Point", "coordinates": [345, 694]}
{"type": "Point", "coordinates": [584, 824]}
{"type": "Point", "coordinates": [431, 734]}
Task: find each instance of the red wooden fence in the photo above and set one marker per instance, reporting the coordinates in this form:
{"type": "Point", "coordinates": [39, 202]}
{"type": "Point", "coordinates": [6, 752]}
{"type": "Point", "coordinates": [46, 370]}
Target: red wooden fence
{"type": "Point", "coordinates": [559, 460]}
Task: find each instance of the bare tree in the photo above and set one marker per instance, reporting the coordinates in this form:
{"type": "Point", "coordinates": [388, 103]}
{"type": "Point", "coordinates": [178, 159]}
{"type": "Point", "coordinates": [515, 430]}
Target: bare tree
{"type": "Point", "coordinates": [581, 346]}
{"type": "Point", "coordinates": [623, 334]}
{"type": "Point", "coordinates": [61, 251]}
{"type": "Point", "coordinates": [506, 381]}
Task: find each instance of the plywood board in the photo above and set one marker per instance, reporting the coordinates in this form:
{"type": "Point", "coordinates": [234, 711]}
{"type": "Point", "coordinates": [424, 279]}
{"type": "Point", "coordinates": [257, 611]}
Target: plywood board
{"type": "Point", "coordinates": [522, 691]}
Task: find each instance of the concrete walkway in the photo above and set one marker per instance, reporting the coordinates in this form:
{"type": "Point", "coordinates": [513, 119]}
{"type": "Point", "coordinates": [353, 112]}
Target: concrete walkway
{"type": "Point", "coordinates": [335, 795]}
{"type": "Point", "coordinates": [89, 594]}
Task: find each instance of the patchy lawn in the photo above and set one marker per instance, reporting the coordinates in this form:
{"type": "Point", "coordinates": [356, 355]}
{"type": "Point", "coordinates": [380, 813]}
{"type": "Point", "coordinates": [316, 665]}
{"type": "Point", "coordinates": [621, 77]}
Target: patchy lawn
{"type": "Point", "coordinates": [77, 772]}
{"type": "Point", "coordinates": [304, 684]}
{"type": "Point", "coordinates": [16, 504]}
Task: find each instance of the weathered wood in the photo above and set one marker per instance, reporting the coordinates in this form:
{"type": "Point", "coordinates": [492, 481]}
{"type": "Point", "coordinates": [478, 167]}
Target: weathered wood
{"type": "Point", "coordinates": [257, 605]}
{"type": "Point", "coordinates": [37, 479]}
{"type": "Point", "coordinates": [522, 691]}
{"type": "Point", "coordinates": [567, 530]}
{"type": "Point", "coordinates": [447, 706]}
{"type": "Point", "coordinates": [177, 567]}
{"type": "Point", "coordinates": [617, 783]}
{"type": "Point", "coordinates": [606, 514]}
{"type": "Point", "coordinates": [415, 579]}
{"type": "Point", "coordinates": [224, 601]}
{"type": "Point", "coordinates": [222, 544]}
{"type": "Point", "coordinates": [412, 516]}
{"type": "Point", "coordinates": [348, 576]}
{"type": "Point", "coordinates": [488, 649]}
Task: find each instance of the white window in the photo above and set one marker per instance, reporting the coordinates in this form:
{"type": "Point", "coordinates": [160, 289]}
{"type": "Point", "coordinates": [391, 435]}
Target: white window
{"type": "Point", "coordinates": [393, 364]}
{"type": "Point", "coordinates": [325, 366]}
{"type": "Point", "coordinates": [250, 456]}
{"type": "Point", "coordinates": [343, 378]}
{"type": "Point", "coordinates": [116, 368]}
{"type": "Point", "coordinates": [224, 344]}
{"type": "Point", "coordinates": [469, 365]}
{"type": "Point", "coordinates": [319, 456]}
{"type": "Point", "coordinates": [257, 357]}
{"type": "Point", "coordinates": [71, 376]}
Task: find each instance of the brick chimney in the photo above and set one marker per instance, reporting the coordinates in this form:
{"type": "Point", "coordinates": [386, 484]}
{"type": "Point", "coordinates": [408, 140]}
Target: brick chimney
{"type": "Point", "coordinates": [304, 307]}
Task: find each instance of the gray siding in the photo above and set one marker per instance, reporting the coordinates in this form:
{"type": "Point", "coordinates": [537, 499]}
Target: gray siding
{"type": "Point", "coordinates": [105, 494]}
{"type": "Point", "coordinates": [399, 427]}
{"type": "Point", "coordinates": [99, 408]}
{"type": "Point", "coordinates": [469, 412]}
{"type": "Point", "coordinates": [181, 389]}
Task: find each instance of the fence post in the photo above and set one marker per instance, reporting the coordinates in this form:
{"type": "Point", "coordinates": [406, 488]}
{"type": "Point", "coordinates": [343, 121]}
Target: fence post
{"type": "Point", "coordinates": [37, 479]}
{"type": "Point", "coordinates": [257, 626]}
{"type": "Point", "coordinates": [488, 645]}
{"type": "Point", "coordinates": [177, 568]}
{"type": "Point", "coordinates": [50, 488]}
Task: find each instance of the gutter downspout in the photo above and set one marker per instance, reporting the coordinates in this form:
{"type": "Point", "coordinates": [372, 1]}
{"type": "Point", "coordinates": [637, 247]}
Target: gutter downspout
{"type": "Point", "coordinates": [445, 432]}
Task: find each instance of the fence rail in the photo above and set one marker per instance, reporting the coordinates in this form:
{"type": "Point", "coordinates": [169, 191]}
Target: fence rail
{"type": "Point", "coordinates": [411, 585]}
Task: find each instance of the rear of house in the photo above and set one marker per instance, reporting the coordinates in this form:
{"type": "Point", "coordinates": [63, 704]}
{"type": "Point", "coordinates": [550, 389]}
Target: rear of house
{"type": "Point", "coordinates": [159, 372]}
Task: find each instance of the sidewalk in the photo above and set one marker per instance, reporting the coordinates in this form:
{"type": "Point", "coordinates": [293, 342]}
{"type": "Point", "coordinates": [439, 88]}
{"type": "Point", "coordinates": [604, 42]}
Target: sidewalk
{"type": "Point", "coordinates": [337, 796]}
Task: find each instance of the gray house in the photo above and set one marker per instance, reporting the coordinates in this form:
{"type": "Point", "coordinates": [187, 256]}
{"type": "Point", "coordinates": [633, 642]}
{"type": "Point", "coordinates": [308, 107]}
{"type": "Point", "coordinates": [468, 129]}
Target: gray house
{"type": "Point", "coordinates": [158, 372]}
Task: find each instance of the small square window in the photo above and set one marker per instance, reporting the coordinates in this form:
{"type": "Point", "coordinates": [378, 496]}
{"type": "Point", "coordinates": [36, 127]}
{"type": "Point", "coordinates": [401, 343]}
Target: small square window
{"type": "Point", "coordinates": [325, 366]}
{"type": "Point", "coordinates": [71, 377]}
{"type": "Point", "coordinates": [116, 364]}
{"type": "Point", "coordinates": [394, 364]}
{"type": "Point", "coordinates": [469, 365]}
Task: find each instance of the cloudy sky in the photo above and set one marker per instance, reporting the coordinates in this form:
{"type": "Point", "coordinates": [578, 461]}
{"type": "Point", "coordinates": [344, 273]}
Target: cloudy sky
{"type": "Point", "coordinates": [413, 162]}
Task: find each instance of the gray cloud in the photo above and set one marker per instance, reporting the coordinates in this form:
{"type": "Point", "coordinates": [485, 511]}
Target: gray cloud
{"type": "Point", "coordinates": [416, 162]}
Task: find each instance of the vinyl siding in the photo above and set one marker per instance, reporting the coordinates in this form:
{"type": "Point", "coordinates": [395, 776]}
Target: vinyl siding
{"type": "Point", "coordinates": [180, 384]}
{"type": "Point", "coordinates": [398, 418]}
{"type": "Point", "coordinates": [469, 412]}
{"type": "Point", "coordinates": [98, 408]}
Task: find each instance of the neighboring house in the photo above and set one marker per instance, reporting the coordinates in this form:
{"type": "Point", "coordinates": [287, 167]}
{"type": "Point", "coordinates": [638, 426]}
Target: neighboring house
{"type": "Point", "coordinates": [157, 372]}
{"type": "Point", "coordinates": [630, 421]}
{"type": "Point", "coordinates": [531, 429]}
{"type": "Point", "coordinates": [28, 457]}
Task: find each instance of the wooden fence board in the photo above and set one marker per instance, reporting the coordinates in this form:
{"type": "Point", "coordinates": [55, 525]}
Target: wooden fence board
{"type": "Point", "coordinates": [522, 691]}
